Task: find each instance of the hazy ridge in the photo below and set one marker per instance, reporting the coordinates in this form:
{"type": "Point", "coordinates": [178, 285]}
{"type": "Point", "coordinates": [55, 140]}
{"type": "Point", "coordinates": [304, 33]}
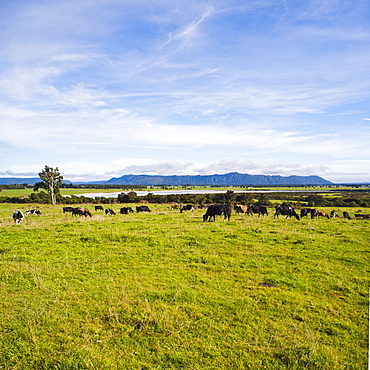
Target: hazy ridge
{"type": "Point", "coordinates": [229, 179]}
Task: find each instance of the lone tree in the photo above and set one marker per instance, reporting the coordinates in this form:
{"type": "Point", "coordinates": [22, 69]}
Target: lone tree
{"type": "Point", "coordinates": [51, 182]}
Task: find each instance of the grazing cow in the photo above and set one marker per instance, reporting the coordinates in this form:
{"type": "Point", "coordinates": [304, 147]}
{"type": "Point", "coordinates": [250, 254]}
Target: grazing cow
{"type": "Point", "coordinates": [286, 211]}
{"type": "Point", "coordinates": [314, 213]}
{"type": "Point", "coordinates": [218, 209]}
{"type": "Point", "coordinates": [333, 214]}
{"type": "Point", "coordinates": [81, 212]}
{"type": "Point", "coordinates": [68, 209]}
{"type": "Point", "coordinates": [99, 208]}
{"type": "Point", "coordinates": [240, 208]}
{"type": "Point", "coordinates": [362, 216]}
{"type": "Point", "coordinates": [109, 211]}
{"type": "Point", "coordinates": [18, 216]}
{"type": "Point", "coordinates": [306, 211]}
{"type": "Point", "coordinates": [142, 209]}
{"type": "Point", "coordinates": [33, 212]}
{"type": "Point", "coordinates": [256, 208]}
{"type": "Point", "coordinates": [126, 210]}
{"type": "Point", "coordinates": [309, 211]}
{"type": "Point", "coordinates": [346, 215]}
{"type": "Point", "coordinates": [323, 214]}
{"type": "Point", "coordinates": [187, 207]}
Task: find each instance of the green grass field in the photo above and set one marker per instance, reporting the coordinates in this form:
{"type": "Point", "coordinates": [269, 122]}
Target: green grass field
{"type": "Point", "coordinates": [167, 291]}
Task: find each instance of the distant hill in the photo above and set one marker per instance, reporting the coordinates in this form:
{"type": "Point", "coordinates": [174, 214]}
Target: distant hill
{"type": "Point", "coordinates": [228, 179]}
{"type": "Point", "coordinates": [19, 180]}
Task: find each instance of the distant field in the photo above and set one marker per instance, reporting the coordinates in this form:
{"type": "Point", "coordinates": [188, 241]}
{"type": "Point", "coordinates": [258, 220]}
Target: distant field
{"type": "Point", "coordinates": [26, 192]}
{"type": "Point", "coordinates": [166, 290]}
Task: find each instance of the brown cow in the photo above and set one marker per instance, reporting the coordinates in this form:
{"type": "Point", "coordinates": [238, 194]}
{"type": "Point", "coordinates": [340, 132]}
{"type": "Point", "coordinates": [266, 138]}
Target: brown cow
{"type": "Point", "coordinates": [81, 212]}
{"type": "Point", "coordinates": [240, 208]}
{"type": "Point", "coordinates": [323, 214]}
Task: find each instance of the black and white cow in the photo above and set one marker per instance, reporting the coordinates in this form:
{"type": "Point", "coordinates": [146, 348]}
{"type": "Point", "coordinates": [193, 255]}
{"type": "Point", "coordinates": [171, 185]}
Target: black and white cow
{"type": "Point", "coordinates": [109, 211]}
{"type": "Point", "coordinates": [333, 214]}
{"type": "Point", "coordinates": [126, 210]}
{"type": "Point", "coordinates": [33, 212]}
{"type": "Point", "coordinates": [142, 209]}
{"type": "Point", "coordinates": [218, 209]}
{"type": "Point", "coordinates": [187, 207]}
{"type": "Point", "coordinates": [18, 216]}
{"type": "Point", "coordinates": [286, 211]}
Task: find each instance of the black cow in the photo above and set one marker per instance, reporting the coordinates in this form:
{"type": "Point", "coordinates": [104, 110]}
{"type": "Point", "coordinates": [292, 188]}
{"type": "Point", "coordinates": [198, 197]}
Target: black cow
{"type": "Point", "coordinates": [362, 216]}
{"type": "Point", "coordinates": [305, 212]}
{"type": "Point", "coordinates": [187, 207]}
{"type": "Point", "coordinates": [109, 211]}
{"type": "Point", "coordinates": [286, 211]}
{"type": "Point", "coordinates": [256, 208]}
{"type": "Point", "coordinates": [126, 210]}
{"type": "Point", "coordinates": [33, 212]}
{"type": "Point", "coordinates": [142, 209]}
{"type": "Point", "coordinates": [309, 211]}
{"type": "Point", "coordinates": [18, 216]}
{"type": "Point", "coordinates": [218, 209]}
{"type": "Point", "coordinates": [81, 212]}
{"type": "Point", "coordinates": [68, 209]}
{"type": "Point", "coordinates": [346, 215]}
{"type": "Point", "coordinates": [314, 213]}
{"type": "Point", "coordinates": [99, 208]}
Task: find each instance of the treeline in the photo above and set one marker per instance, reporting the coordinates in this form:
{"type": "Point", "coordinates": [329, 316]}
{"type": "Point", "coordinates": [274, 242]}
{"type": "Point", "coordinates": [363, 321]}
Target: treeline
{"type": "Point", "coordinates": [14, 186]}
{"type": "Point", "coordinates": [344, 199]}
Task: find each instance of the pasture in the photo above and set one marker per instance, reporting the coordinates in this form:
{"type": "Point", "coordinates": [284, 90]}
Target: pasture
{"type": "Point", "coordinates": [165, 290]}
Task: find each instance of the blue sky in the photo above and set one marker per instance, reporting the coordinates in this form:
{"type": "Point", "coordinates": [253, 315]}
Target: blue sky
{"type": "Point", "coordinates": [103, 88]}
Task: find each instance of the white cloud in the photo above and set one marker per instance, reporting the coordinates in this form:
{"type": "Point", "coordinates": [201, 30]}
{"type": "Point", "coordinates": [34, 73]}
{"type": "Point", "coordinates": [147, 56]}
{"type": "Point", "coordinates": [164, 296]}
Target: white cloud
{"type": "Point", "coordinates": [241, 165]}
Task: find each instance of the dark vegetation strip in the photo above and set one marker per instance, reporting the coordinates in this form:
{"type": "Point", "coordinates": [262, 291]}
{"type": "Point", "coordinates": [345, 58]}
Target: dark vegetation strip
{"type": "Point", "coordinates": [337, 198]}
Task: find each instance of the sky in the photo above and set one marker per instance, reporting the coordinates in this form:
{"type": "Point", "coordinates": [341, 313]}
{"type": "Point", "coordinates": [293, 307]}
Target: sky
{"type": "Point", "coordinates": [105, 88]}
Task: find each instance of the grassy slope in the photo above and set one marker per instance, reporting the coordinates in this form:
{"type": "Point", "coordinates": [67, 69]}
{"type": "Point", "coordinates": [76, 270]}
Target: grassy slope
{"type": "Point", "coordinates": [167, 291]}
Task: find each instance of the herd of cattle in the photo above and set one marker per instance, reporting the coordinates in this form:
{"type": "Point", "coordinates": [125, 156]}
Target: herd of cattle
{"type": "Point", "coordinates": [213, 210]}
{"type": "Point", "coordinates": [108, 211]}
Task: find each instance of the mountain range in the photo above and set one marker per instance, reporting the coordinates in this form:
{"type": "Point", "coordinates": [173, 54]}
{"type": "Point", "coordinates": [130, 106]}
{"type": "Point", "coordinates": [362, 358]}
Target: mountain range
{"type": "Point", "coordinates": [229, 179]}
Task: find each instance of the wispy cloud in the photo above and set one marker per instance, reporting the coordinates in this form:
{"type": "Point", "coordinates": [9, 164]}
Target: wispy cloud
{"type": "Point", "coordinates": [186, 33]}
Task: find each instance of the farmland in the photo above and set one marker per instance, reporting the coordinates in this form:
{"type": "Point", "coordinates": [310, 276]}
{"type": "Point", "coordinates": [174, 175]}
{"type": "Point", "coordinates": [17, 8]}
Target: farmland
{"type": "Point", "coordinates": [164, 290]}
